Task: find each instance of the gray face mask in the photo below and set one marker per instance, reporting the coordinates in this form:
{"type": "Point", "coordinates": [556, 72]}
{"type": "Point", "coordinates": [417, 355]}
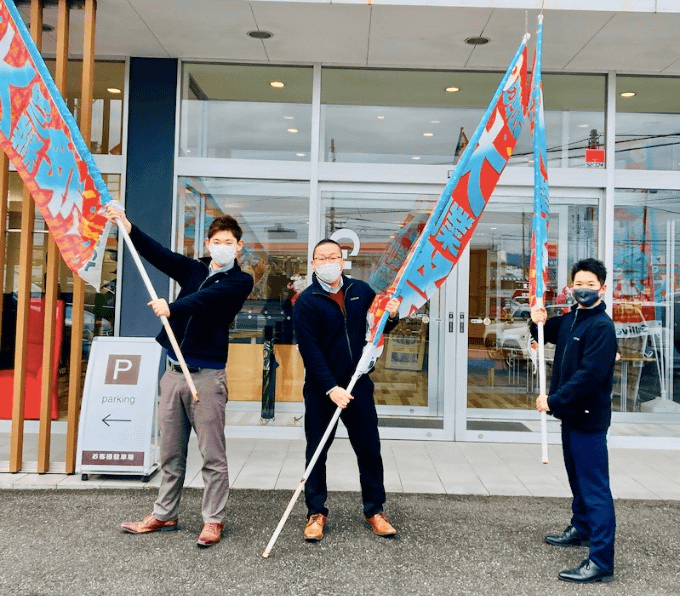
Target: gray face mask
{"type": "Point", "coordinates": [586, 297]}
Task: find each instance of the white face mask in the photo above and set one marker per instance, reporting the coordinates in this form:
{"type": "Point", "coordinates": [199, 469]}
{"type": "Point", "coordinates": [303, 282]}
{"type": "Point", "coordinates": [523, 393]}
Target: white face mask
{"type": "Point", "coordinates": [222, 254]}
{"type": "Point", "coordinates": [329, 272]}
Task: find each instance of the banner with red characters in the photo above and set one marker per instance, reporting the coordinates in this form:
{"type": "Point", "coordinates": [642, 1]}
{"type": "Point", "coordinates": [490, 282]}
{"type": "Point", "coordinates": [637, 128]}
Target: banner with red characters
{"type": "Point", "coordinates": [42, 140]}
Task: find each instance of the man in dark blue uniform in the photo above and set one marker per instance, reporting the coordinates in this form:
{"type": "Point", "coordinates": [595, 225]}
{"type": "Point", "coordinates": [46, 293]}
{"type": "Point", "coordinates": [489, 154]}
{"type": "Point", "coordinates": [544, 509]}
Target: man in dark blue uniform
{"type": "Point", "coordinates": [580, 396]}
{"type": "Point", "coordinates": [329, 318]}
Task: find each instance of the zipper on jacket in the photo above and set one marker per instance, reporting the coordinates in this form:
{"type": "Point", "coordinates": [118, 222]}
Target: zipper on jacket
{"type": "Point", "coordinates": [186, 327]}
{"type": "Point", "coordinates": [564, 354]}
{"type": "Point", "coordinates": [344, 316]}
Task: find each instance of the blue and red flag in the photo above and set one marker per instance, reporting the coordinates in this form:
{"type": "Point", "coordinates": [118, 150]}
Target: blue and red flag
{"type": "Point", "coordinates": [538, 268]}
{"type": "Point", "coordinates": [459, 209]}
{"type": "Point", "coordinates": [42, 140]}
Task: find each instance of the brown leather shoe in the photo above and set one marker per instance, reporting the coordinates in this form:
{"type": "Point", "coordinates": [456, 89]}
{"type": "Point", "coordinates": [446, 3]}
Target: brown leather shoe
{"type": "Point", "coordinates": [210, 535]}
{"type": "Point", "coordinates": [314, 528]}
{"type": "Point", "coordinates": [380, 525]}
{"type": "Point", "coordinates": [150, 524]}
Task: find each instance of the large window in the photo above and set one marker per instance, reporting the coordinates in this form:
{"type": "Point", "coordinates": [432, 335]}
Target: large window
{"type": "Point", "coordinates": [647, 299]}
{"type": "Point", "coordinates": [246, 112]}
{"type": "Point", "coordinates": [107, 102]}
{"type": "Point", "coordinates": [647, 123]}
{"type": "Point", "coordinates": [427, 117]}
{"type": "Point", "coordinates": [274, 216]}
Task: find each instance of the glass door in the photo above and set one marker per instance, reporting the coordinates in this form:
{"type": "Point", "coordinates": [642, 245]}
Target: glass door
{"type": "Point", "coordinates": [408, 376]}
{"type": "Point", "coordinates": [497, 384]}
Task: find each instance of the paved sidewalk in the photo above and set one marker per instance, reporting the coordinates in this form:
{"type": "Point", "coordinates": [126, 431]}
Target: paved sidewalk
{"type": "Point", "coordinates": [425, 467]}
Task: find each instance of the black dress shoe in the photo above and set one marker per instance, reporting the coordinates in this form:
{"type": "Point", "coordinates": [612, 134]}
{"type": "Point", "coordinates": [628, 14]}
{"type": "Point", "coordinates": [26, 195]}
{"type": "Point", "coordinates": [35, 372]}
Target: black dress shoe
{"type": "Point", "coordinates": [586, 573]}
{"type": "Point", "coordinates": [570, 537]}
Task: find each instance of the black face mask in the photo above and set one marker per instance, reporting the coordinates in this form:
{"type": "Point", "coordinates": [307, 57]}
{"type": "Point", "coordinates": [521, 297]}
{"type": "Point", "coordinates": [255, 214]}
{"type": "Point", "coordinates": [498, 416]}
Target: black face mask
{"type": "Point", "coordinates": [586, 297]}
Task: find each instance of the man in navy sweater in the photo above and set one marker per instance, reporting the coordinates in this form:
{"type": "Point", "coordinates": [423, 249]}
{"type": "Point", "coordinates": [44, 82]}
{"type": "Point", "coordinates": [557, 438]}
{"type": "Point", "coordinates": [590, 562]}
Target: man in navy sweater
{"type": "Point", "coordinates": [580, 396]}
{"type": "Point", "coordinates": [329, 318]}
{"type": "Point", "coordinates": [213, 291]}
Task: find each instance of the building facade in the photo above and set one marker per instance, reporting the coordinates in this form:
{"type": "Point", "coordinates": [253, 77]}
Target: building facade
{"type": "Point", "coordinates": [327, 142]}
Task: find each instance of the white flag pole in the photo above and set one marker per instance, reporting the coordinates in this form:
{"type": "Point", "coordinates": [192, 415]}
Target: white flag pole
{"type": "Point", "coordinates": [154, 296]}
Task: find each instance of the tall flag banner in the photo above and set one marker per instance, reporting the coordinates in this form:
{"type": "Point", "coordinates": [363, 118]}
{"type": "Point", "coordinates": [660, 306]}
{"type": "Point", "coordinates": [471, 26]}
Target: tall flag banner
{"type": "Point", "coordinates": [538, 268]}
{"type": "Point", "coordinates": [42, 140]}
{"type": "Point", "coordinates": [460, 207]}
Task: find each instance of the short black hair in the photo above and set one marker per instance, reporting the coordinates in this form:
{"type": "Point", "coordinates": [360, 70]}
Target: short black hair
{"type": "Point", "coordinates": [592, 265]}
{"type": "Point", "coordinates": [225, 223]}
{"type": "Point", "coordinates": [325, 241]}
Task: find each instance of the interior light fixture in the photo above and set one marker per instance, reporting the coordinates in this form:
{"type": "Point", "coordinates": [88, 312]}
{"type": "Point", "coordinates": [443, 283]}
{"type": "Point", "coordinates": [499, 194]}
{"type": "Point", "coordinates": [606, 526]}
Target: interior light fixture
{"type": "Point", "coordinates": [293, 130]}
{"type": "Point", "coordinates": [427, 134]}
{"type": "Point", "coordinates": [415, 157]}
{"type": "Point", "coordinates": [381, 117]}
{"type": "Point", "coordinates": [113, 90]}
{"type": "Point", "coordinates": [300, 154]}
{"type": "Point", "coordinates": [434, 121]}
{"type": "Point", "coordinates": [452, 89]}
{"type": "Point", "coordinates": [260, 34]}
{"type": "Point", "coordinates": [628, 94]}
{"type": "Point", "coordinates": [288, 117]}
{"type": "Point", "coordinates": [583, 125]}
{"type": "Point", "coordinates": [477, 41]}
{"type": "Point", "coordinates": [277, 84]}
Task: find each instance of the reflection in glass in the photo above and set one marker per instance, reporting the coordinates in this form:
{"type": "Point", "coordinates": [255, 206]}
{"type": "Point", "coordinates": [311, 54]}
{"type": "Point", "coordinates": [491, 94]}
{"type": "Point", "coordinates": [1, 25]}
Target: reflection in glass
{"type": "Point", "coordinates": [648, 124]}
{"type": "Point", "coordinates": [646, 304]}
{"type": "Point", "coordinates": [274, 216]}
{"type": "Point", "coordinates": [500, 372]}
{"type": "Point", "coordinates": [232, 111]}
{"type": "Point", "coordinates": [365, 225]}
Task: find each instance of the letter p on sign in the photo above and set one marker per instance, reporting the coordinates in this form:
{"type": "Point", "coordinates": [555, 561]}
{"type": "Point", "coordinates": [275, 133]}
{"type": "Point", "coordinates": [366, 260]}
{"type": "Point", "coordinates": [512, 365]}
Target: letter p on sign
{"type": "Point", "coordinates": [122, 369]}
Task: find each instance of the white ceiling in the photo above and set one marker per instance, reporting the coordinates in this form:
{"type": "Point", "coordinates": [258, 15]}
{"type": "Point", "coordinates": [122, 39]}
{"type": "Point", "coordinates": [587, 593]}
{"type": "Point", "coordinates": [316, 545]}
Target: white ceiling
{"type": "Point", "coordinates": [377, 33]}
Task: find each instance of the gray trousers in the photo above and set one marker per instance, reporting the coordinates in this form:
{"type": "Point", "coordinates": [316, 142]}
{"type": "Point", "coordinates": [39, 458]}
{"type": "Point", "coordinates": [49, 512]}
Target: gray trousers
{"type": "Point", "coordinates": [178, 414]}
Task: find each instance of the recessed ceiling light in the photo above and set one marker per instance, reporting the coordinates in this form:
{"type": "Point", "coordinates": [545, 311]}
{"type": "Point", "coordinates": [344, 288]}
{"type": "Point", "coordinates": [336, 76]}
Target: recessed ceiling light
{"type": "Point", "coordinates": [300, 154]}
{"type": "Point", "coordinates": [427, 134]}
{"type": "Point", "coordinates": [288, 117]}
{"type": "Point", "coordinates": [583, 125]}
{"type": "Point", "coordinates": [260, 34]}
{"type": "Point", "coordinates": [292, 130]}
{"type": "Point", "coordinates": [452, 89]}
{"type": "Point", "coordinates": [477, 41]}
{"type": "Point", "coordinates": [434, 121]}
{"type": "Point", "coordinates": [381, 117]}
{"type": "Point", "coordinates": [113, 90]}
{"type": "Point", "coordinates": [628, 94]}
{"type": "Point", "coordinates": [415, 157]}
{"type": "Point", "coordinates": [277, 84]}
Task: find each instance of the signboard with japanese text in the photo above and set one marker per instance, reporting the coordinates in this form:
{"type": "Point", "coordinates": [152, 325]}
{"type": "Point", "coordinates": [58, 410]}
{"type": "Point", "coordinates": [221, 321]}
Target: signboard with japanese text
{"type": "Point", "coordinates": [117, 419]}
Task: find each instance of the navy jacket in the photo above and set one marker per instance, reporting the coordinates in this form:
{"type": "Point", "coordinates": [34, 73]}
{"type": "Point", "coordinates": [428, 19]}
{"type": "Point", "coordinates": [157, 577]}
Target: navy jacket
{"type": "Point", "coordinates": [331, 343]}
{"type": "Point", "coordinates": [583, 369]}
{"type": "Point", "coordinates": [205, 307]}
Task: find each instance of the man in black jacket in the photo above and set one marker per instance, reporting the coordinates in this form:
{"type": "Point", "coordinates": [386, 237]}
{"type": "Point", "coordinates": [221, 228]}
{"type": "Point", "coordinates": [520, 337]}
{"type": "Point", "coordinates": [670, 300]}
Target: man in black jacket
{"type": "Point", "coordinates": [329, 318]}
{"type": "Point", "coordinates": [580, 396]}
{"type": "Point", "coordinates": [213, 291]}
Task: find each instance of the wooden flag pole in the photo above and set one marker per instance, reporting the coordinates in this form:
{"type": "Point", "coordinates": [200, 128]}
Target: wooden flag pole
{"type": "Point", "coordinates": [154, 296]}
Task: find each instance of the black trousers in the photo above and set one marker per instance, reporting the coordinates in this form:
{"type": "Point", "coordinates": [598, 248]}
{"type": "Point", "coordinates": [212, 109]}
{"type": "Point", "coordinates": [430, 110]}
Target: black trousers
{"type": "Point", "coordinates": [361, 421]}
{"type": "Point", "coordinates": [587, 462]}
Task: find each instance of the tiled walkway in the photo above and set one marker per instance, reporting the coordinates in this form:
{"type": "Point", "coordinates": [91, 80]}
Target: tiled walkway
{"type": "Point", "coordinates": [410, 467]}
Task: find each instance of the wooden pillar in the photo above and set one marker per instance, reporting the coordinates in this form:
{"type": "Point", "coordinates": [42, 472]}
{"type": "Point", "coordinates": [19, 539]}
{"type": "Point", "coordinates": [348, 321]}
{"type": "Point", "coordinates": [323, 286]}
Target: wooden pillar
{"type": "Point", "coordinates": [4, 198]}
{"type": "Point", "coordinates": [52, 272]}
{"type": "Point", "coordinates": [75, 373]}
{"type": "Point", "coordinates": [24, 291]}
